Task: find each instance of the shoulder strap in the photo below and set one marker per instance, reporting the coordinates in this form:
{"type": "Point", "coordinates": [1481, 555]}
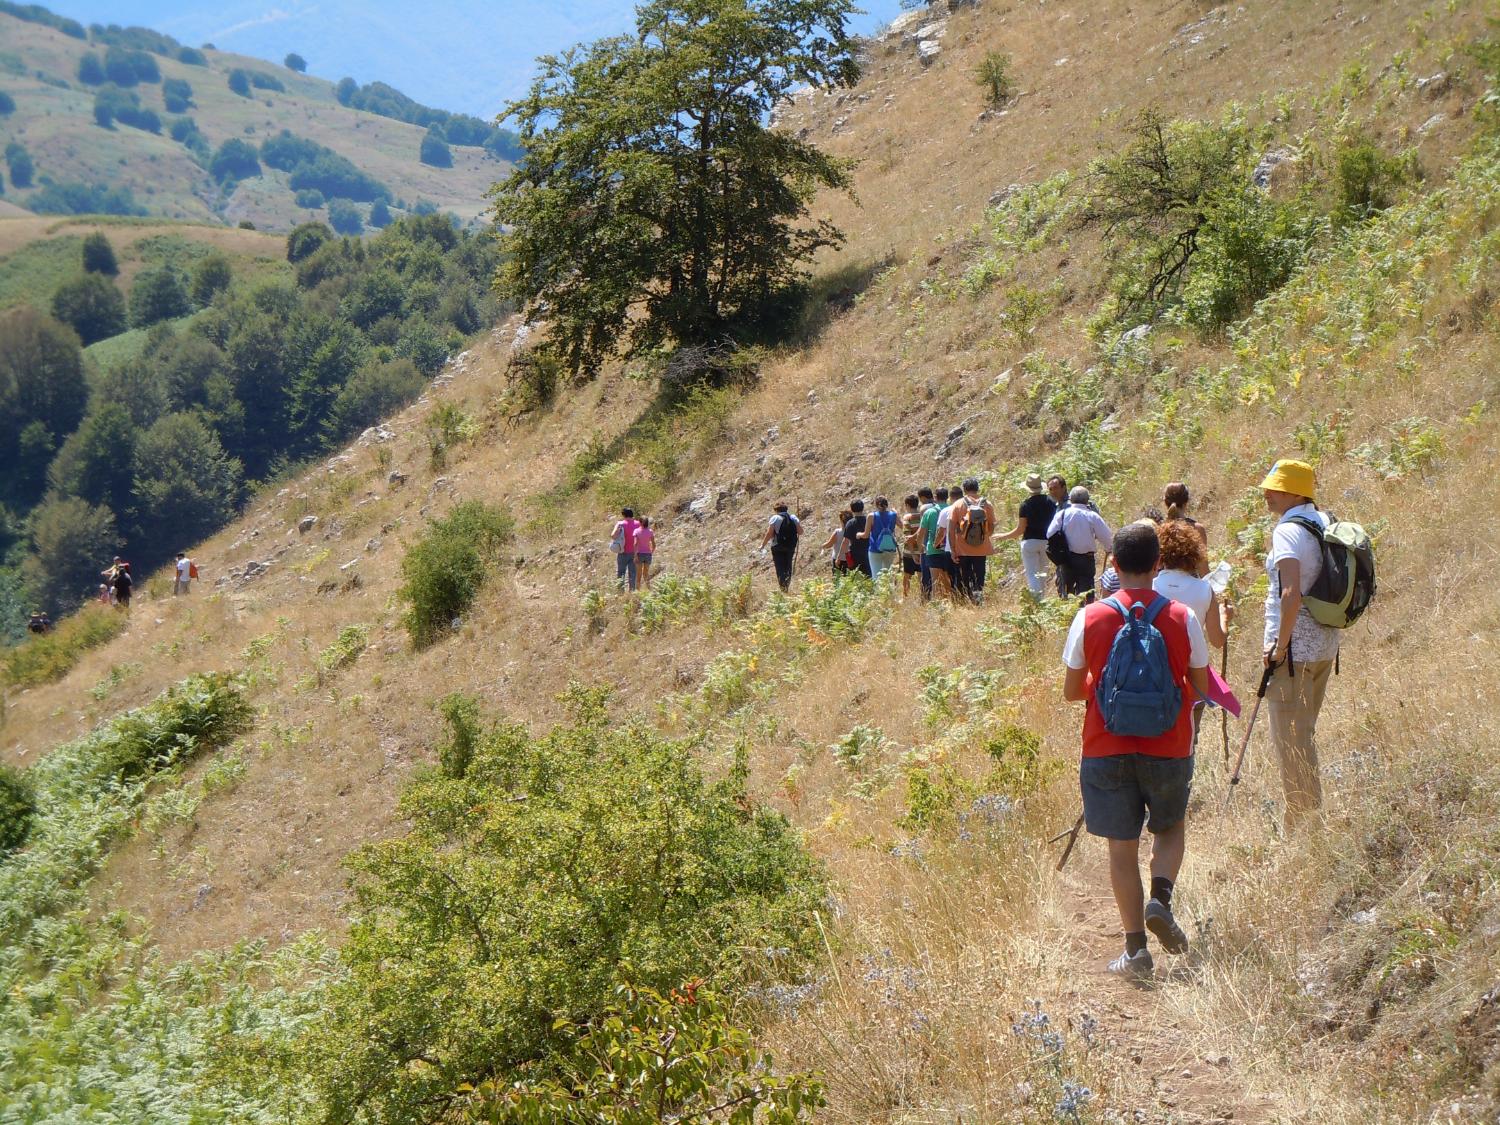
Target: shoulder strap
{"type": "Point", "coordinates": [1312, 525]}
{"type": "Point", "coordinates": [1158, 604]}
{"type": "Point", "coordinates": [1116, 605]}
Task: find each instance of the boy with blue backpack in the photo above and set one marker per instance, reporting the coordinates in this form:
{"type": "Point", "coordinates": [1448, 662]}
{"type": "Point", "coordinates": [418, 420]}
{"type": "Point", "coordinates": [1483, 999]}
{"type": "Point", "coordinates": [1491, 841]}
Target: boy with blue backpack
{"type": "Point", "coordinates": [1138, 660]}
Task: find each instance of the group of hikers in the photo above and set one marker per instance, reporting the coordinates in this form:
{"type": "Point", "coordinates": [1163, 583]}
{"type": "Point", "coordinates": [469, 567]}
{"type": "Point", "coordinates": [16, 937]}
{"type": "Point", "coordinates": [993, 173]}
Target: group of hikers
{"type": "Point", "coordinates": [118, 583]}
{"type": "Point", "coordinates": [1137, 652]}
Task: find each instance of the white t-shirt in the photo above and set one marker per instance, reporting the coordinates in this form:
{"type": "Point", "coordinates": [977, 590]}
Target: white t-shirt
{"type": "Point", "coordinates": [776, 522]}
{"type": "Point", "coordinates": [1310, 641]}
{"type": "Point", "coordinates": [1190, 590]}
{"type": "Point", "coordinates": [1073, 647]}
{"type": "Point", "coordinates": [945, 521]}
{"type": "Point", "coordinates": [182, 568]}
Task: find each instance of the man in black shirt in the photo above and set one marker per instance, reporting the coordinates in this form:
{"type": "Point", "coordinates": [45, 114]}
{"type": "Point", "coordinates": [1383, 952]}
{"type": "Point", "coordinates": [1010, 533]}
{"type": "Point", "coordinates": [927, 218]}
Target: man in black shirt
{"type": "Point", "coordinates": [858, 538]}
{"type": "Point", "coordinates": [1035, 514]}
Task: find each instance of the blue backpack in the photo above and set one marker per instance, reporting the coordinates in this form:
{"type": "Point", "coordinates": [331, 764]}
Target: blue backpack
{"type": "Point", "coordinates": [1137, 694]}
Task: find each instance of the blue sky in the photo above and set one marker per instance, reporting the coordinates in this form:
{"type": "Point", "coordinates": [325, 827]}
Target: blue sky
{"type": "Point", "coordinates": [465, 55]}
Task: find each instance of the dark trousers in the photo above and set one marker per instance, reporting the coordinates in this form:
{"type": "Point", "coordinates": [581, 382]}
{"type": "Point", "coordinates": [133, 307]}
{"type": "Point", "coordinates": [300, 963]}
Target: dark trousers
{"type": "Point", "coordinates": [1077, 577]}
{"type": "Point", "coordinates": [862, 563]}
{"type": "Point", "coordinates": [970, 578]}
{"type": "Point", "coordinates": [783, 562]}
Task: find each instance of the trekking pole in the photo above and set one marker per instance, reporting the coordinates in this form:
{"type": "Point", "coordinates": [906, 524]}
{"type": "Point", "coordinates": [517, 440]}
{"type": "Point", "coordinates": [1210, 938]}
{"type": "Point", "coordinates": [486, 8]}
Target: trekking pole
{"type": "Point", "coordinates": [1072, 835]}
{"type": "Point", "coordinates": [1260, 695]}
{"type": "Point", "coordinates": [1223, 714]}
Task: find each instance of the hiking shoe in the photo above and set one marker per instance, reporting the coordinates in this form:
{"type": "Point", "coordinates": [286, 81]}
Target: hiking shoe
{"type": "Point", "coordinates": [1164, 927]}
{"type": "Point", "coordinates": [1137, 967]}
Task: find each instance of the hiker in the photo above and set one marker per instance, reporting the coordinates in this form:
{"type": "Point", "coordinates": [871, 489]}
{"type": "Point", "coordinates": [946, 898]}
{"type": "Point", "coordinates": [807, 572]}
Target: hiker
{"type": "Point", "coordinates": [970, 538]}
{"type": "Point", "coordinates": [838, 550]}
{"type": "Point", "coordinates": [880, 533]}
{"type": "Point", "coordinates": [911, 542]}
{"type": "Point", "coordinates": [182, 575]}
{"type": "Point", "coordinates": [927, 530]}
{"type": "Point", "coordinates": [645, 548]}
{"type": "Point", "coordinates": [39, 623]}
{"type": "Point", "coordinates": [120, 582]}
{"type": "Point", "coordinates": [1109, 578]}
{"type": "Point", "coordinates": [857, 538]}
{"type": "Point", "coordinates": [1175, 499]}
{"type": "Point", "coordinates": [1082, 529]}
{"type": "Point", "coordinates": [782, 535]}
{"type": "Point", "coordinates": [945, 539]}
{"type": "Point", "coordinates": [622, 543]}
{"type": "Point", "coordinates": [1137, 765]}
{"type": "Point", "coordinates": [1057, 492]}
{"type": "Point", "coordinates": [1032, 518]}
{"type": "Point", "coordinates": [1182, 562]}
{"type": "Point", "coordinates": [106, 594]}
{"type": "Point", "coordinates": [1293, 638]}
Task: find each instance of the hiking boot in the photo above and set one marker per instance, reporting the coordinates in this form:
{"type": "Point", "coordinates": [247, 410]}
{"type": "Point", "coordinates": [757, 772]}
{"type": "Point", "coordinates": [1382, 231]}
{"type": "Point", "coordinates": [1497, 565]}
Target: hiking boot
{"type": "Point", "coordinates": [1164, 927]}
{"type": "Point", "coordinates": [1137, 967]}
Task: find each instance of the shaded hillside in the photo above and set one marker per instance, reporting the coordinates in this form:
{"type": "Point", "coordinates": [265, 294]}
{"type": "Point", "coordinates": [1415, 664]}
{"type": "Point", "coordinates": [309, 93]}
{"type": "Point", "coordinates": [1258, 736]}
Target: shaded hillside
{"type": "Point", "coordinates": [1342, 975]}
{"type": "Point", "coordinates": [159, 167]}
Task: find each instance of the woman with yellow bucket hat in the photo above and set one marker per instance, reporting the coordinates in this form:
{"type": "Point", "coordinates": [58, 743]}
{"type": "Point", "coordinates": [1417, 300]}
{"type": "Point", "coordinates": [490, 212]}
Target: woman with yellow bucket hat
{"type": "Point", "coordinates": [1299, 651]}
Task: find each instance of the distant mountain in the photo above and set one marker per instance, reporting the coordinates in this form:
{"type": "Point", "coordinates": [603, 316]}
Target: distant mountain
{"type": "Point", "coordinates": [133, 121]}
{"type": "Point", "coordinates": [468, 55]}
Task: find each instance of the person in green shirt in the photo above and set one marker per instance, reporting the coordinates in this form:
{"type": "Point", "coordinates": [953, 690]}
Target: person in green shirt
{"type": "Point", "coordinates": [934, 559]}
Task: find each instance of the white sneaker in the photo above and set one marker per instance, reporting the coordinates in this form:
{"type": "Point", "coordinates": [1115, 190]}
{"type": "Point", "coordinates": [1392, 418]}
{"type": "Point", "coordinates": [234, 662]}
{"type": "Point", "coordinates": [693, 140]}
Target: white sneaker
{"type": "Point", "coordinates": [1138, 966]}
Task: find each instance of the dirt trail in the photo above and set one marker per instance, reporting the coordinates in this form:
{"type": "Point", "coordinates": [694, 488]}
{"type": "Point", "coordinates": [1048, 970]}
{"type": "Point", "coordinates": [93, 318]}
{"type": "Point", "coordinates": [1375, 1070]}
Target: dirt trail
{"type": "Point", "coordinates": [1171, 1070]}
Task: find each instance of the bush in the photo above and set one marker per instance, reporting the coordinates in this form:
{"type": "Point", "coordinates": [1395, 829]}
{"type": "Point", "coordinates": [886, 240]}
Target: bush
{"type": "Point", "coordinates": [375, 391]}
{"type": "Point", "coordinates": [46, 657]}
{"type": "Point", "coordinates": [99, 255]}
{"type": "Point", "coordinates": [296, 62]}
{"type": "Point", "coordinates": [380, 215]}
{"type": "Point", "coordinates": [305, 239]}
{"type": "Point", "coordinates": [443, 571]}
{"type": "Point", "coordinates": [127, 68]}
{"type": "Point", "coordinates": [211, 276]}
{"type": "Point", "coordinates": [239, 82]}
{"type": "Point", "coordinates": [74, 198]}
{"type": "Point", "coordinates": [1368, 178]}
{"type": "Point", "coordinates": [344, 217]}
{"type": "Point", "coordinates": [92, 305]}
{"type": "Point", "coordinates": [235, 160]}
{"type": "Point", "coordinates": [19, 161]}
{"type": "Point", "coordinates": [424, 345]}
{"type": "Point", "coordinates": [333, 175]}
{"type": "Point", "coordinates": [262, 81]}
{"type": "Point", "coordinates": [191, 56]}
{"type": "Point", "coordinates": [435, 151]}
{"type": "Point", "coordinates": [159, 293]}
{"type": "Point", "coordinates": [311, 198]}
{"type": "Point", "coordinates": [176, 95]}
{"type": "Point", "coordinates": [993, 74]}
{"type": "Point", "coordinates": [528, 888]}
{"type": "Point", "coordinates": [91, 70]}
{"type": "Point", "coordinates": [17, 808]}
{"type": "Point", "coordinates": [7, 104]}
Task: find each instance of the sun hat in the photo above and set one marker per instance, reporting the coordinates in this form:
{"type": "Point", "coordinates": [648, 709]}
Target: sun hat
{"type": "Point", "coordinates": [1295, 477]}
{"type": "Point", "coordinates": [1034, 482]}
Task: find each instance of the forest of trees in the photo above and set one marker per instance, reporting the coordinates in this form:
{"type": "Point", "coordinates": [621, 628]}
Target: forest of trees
{"type": "Point", "coordinates": [156, 452]}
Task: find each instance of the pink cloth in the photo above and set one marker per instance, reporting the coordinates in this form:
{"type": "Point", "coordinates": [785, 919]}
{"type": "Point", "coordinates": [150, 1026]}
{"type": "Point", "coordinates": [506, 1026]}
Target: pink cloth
{"type": "Point", "coordinates": [1221, 695]}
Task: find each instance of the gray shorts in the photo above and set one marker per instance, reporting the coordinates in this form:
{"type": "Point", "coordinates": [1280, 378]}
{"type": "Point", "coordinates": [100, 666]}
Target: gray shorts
{"type": "Point", "coordinates": [1119, 790]}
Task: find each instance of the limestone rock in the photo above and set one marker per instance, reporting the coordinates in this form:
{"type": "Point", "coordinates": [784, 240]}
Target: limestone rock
{"type": "Point", "coordinates": [306, 524]}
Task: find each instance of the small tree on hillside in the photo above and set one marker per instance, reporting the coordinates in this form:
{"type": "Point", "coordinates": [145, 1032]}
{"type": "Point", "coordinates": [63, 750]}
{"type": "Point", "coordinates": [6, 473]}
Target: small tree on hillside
{"type": "Point", "coordinates": [235, 160]}
{"type": "Point", "coordinates": [7, 104]}
{"type": "Point", "coordinates": [653, 204]}
{"type": "Point", "coordinates": [211, 276]}
{"type": "Point", "coordinates": [19, 161]}
{"type": "Point", "coordinates": [99, 255]}
{"type": "Point", "coordinates": [158, 294]}
{"type": "Point", "coordinates": [305, 239]}
{"type": "Point", "coordinates": [296, 62]}
{"type": "Point", "coordinates": [994, 76]}
{"type": "Point", "coordinates": [239, 82]}
{"type": "Point", "coordinates": [380, 214]}
{"type": "Point", "coordinates": [92, 305]}
{"type": "Point", "coordinates": [344, 217]}
{"type": "Point", "coordinates": [435, 150]}
{"type": "Point", "coordinates": [91, 70]}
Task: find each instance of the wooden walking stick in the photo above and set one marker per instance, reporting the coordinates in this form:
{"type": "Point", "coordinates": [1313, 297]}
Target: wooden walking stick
{"type": "Point", "coordinates": [1260, 695]}
{"type": "Point", "coordinates": [1072, 835]}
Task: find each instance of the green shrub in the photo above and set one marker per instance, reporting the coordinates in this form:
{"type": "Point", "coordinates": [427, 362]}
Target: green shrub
{"type": "Point", "coordinates": [1249, 246]}
{"type": "Point", "coordinates": [461, 712]}
{"type": "Point", "coordinates": [17, 808]}
{"type": "Point", "coordinates": [51, 656]}
{"type": "Point", "coordinates": [994, 75]}
{"type": "Point", "coordinates": [1368, 178]}
{"type": "Point", "coordinates": [510, 911]}
{"type": "Point", "coordinates": [443, 571]}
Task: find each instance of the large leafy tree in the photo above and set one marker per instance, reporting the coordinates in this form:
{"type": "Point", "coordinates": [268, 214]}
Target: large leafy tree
{"type": "Point", "coordinates": [72, 540]}
{"type": "Point", "coordinates": [96, 463]}
{"type": "Point", "coordinates": [186, 486]}
{"type": "Point", "coordinates": [653, 203]}
{"type": "Point", "coordinates": [42, 395]}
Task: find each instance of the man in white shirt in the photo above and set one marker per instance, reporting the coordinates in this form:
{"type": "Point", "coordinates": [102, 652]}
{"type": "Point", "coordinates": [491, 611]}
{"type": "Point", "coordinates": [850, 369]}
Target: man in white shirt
{"type": "Point", "coordinates": [1084, 530]}
{"type": "Point", "coordinates": [184, 575]}
{"type": "Point", "coordinates": [1293, 638]}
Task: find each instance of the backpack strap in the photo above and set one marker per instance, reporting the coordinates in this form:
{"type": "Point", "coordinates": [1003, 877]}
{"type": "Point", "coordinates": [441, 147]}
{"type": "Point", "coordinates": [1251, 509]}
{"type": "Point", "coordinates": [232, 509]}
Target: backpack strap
{"type": "Point", "coordinates": [1116, 605]}
{"type": "Point", "coordinates": [1154, 610]}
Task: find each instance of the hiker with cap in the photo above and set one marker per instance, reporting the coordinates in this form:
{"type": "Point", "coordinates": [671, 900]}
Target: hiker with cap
{"type": "Point", "coordinates": [1299, 650]}
{"type": "Point", "coordinates": [1138, 661]}
{"type": "Point", "coordinates": [1032, 520]}
{"type": "Point", "coordinates": [971, 539]}
{"type": "Point", "coordinates": [1082, 530]}
{"type": "Point", "coordinates": [782, 535]}
{"type": "Point", "coordinates": [118, 578]}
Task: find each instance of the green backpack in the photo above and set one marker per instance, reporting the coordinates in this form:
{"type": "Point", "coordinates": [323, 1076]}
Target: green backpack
{"type": "Point", "coordinates": [1347, 581]}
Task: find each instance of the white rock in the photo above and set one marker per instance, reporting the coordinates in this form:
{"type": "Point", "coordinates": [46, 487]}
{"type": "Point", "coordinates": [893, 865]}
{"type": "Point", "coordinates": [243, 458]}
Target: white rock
{"type": "Point", "coordinates": [928, 50]}
{"type": "Point", "coordinates": [306, 524]}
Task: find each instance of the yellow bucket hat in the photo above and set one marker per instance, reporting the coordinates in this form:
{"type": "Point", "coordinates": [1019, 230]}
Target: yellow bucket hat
{"type": "Point", "coordinates": [1295, 477]}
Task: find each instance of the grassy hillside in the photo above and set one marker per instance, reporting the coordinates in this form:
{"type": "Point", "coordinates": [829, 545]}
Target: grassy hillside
{"type": "Point", "coordinates": [54, 120]}
{"type": "Point", "coordinates": [1343, 974]}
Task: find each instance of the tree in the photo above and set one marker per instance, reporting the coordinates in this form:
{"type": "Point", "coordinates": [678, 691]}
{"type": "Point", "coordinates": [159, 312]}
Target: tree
{"type": "Point", "coordinates": [345, 90]}
{"type": "Point", "coordinates": [158, 294]}
{"type": "Point", "coordinates": [41, 382]}
{"type": "Point", "coordinates": [304, 239]}
{"type": "Point", "coordinates": [344, 216]}
{"type": "Point", "coordinates": [239, 82]}
{"type": "Point", "coordinates": [375, 391]}
{"type": "Point", "coordinates": [380, 214]}
{"type": "Point", "coordinates": [71, 540]}
{"type": "Point", "coordinates": [186, 487]}
{"type": "Point", "coordinates": [435, 150]}
{"type": "Point", "coordinates": [321, 354]}
{"type": "Point", "coordinates": [296, 62]}
{"type": "Point", "coordinates": [653, 203]}
{"type": "Point", "coordinates": [7, 104]}
{"type": "Point", "coordinates": [20, 164]}
{"type": "Point", "coordinates": [235, 160]}
{"type": "Point", "coordinates": [211, 276]}
{"type": "Point", "coordinates": [91, 70]}
{"type": "Point", "coordinates": [176, 95]}
{"type": "Point", "coordinates": [99, 255]}
{"type": "Point", "coordinates": [92, 306]}
{"type": "Point", "coordinates": [95, 463]}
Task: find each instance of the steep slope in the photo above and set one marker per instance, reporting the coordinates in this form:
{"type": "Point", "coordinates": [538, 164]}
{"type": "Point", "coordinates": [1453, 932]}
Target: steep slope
{"type": "Point", "coordinates": [54, 120]}
{"type": "Point", "coordinates": [1341, 975]}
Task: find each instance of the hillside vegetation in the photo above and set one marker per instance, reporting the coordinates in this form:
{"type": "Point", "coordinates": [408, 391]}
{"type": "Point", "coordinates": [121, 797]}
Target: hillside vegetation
{"type": "Point", "coordinates": [396, 869]}
{"type": "Point", "coordinates": [128, 121]}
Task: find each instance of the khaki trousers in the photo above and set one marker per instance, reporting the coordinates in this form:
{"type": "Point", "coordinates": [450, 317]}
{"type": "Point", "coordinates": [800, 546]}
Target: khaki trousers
{"type": "Point", "coordinates": [1293, 703]}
